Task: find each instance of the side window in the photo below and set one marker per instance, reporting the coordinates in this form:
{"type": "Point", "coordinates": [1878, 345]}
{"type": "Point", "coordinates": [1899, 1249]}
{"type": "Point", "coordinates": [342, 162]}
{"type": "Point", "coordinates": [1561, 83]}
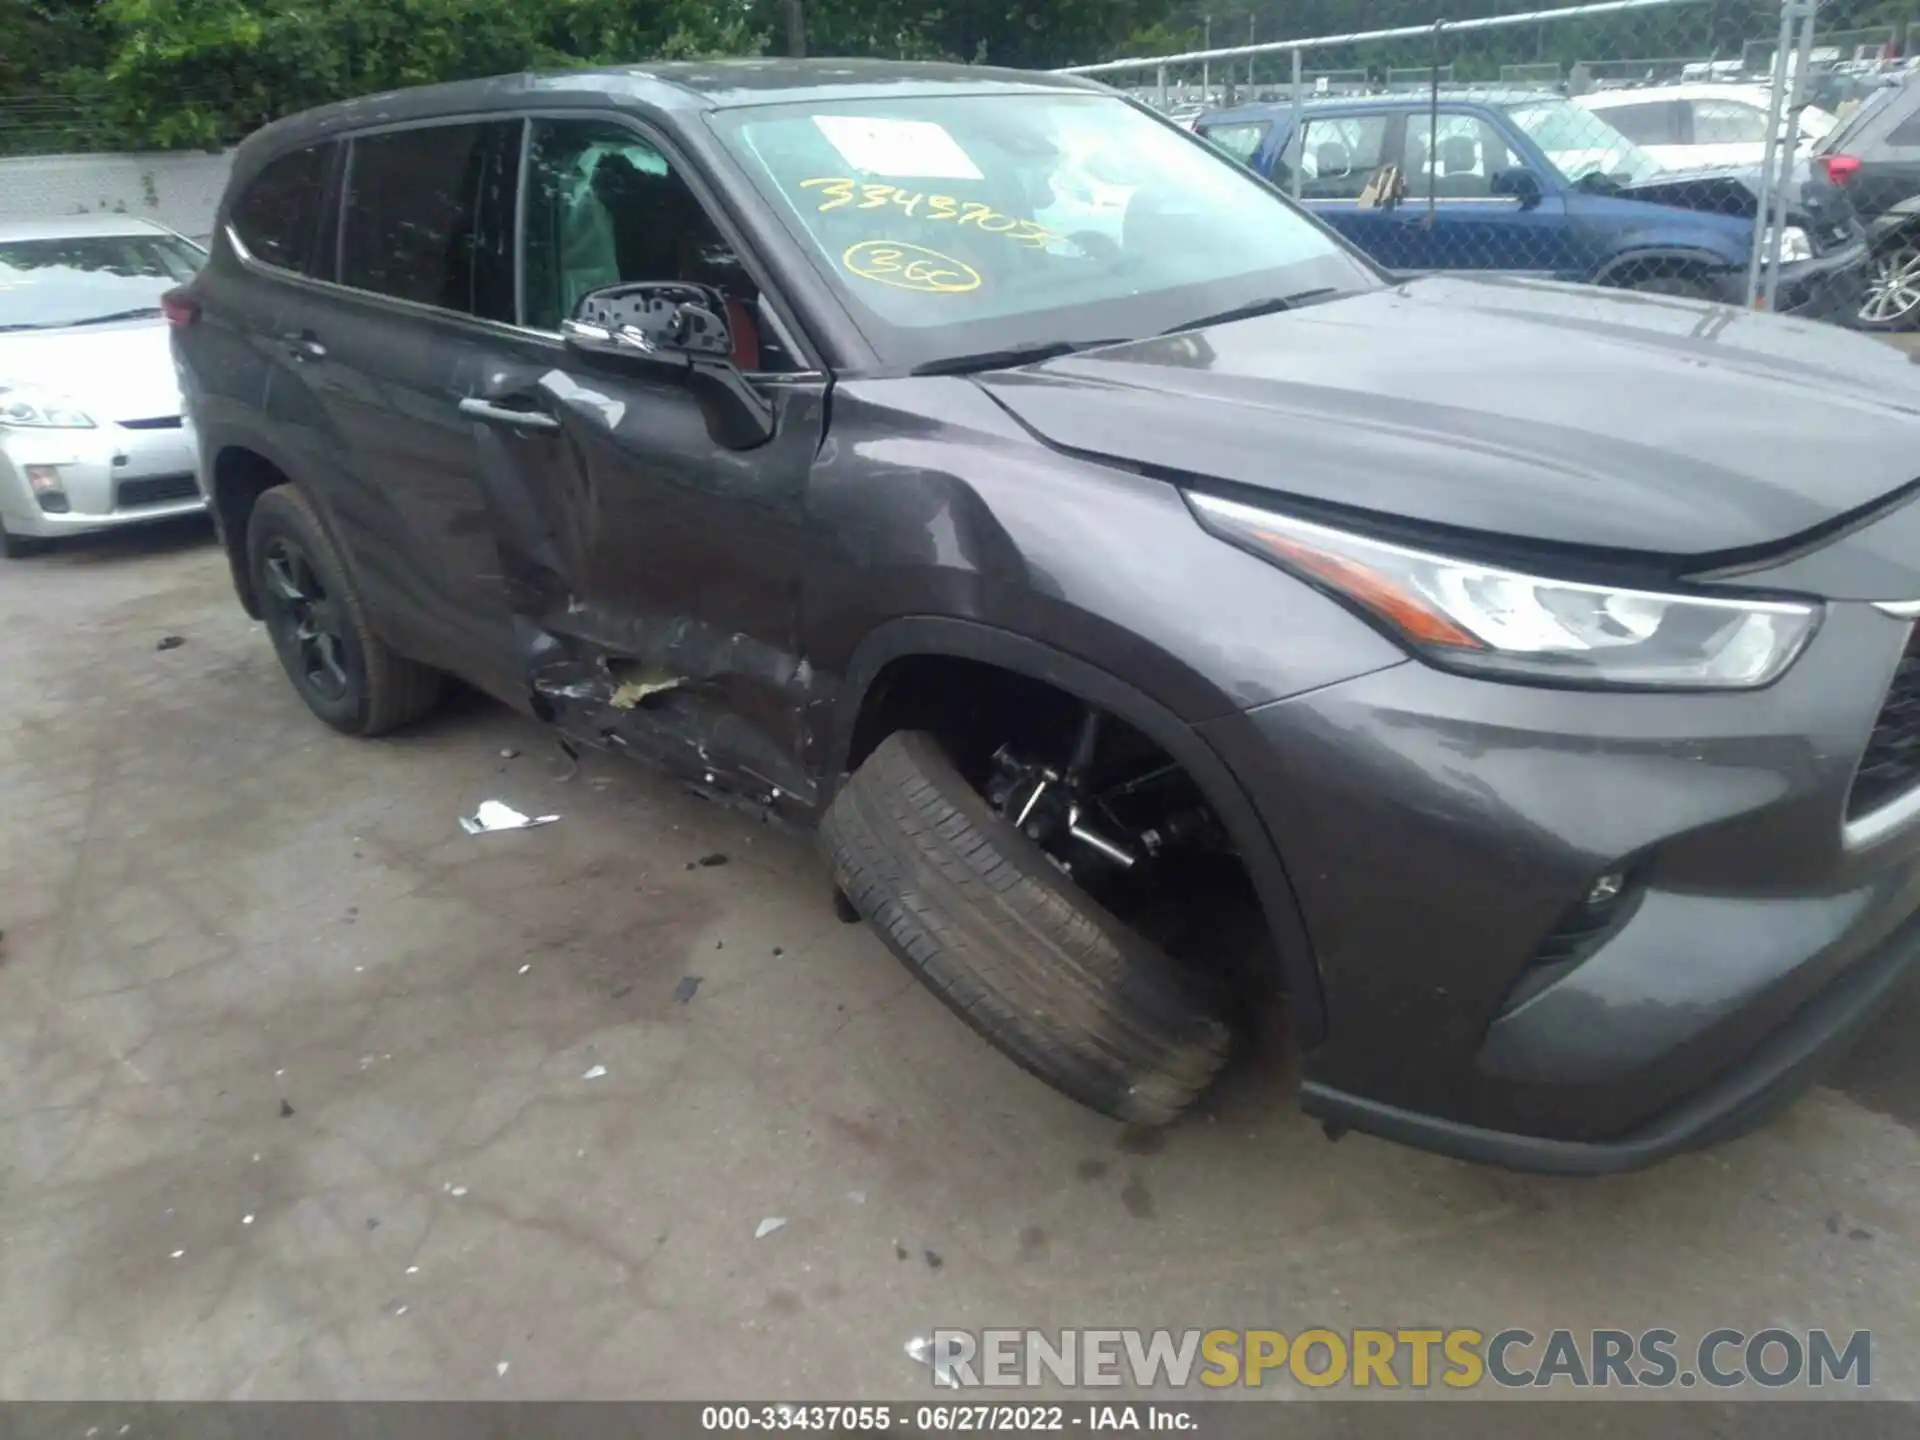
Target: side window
{"type": "Point", "coordinates": [1652, 123]}
{"type": "Point", "coordinates": [1728, 122]}
{"type": "Point", "coordinates": [1906, 135]}
{"type": "Point", "coordinates": [428, 217]}
{"type": "Point", "coordinates": [1455, 159]}
{"type": "Point", "coordinates": [1339, 153]}
{"type": "Point", "coordinates": [277, 217]}
{"type": "Point", "coordinates": [1239, 140]}
{"type": "Point", "coordinates": [605, 207]}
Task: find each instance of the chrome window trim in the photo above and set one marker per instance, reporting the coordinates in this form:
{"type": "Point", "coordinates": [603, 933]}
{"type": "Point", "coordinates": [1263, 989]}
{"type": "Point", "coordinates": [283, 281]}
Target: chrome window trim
{"type": "Point", "coordinates": [527, 118]}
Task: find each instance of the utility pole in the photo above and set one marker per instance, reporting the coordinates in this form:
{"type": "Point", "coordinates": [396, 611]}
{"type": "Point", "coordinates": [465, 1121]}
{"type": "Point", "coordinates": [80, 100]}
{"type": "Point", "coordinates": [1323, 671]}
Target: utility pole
{"type": "Point", "coordinates": [1253, 24]}
{"type": "Point", "coordinates": [796, 27]}
{"type": "Point", "coordinates": [1206, 66]}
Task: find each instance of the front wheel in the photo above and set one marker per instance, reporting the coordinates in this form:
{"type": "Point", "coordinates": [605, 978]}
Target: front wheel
{"type": "Point", "coordinates": [1892, 300]}
{"type": "Point", "coordinates": [988, 922]}
{"type": "Point", "coordinates": [318, 621]}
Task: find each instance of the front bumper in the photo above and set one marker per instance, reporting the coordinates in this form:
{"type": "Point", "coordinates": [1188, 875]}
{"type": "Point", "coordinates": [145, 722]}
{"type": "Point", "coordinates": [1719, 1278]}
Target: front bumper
{"type": "Point", "coordinates": [1827, 287]}
{"type": "Point", "coordinates": [1437, 830]}
{"type": "Point", "coordinates": [109, 476]}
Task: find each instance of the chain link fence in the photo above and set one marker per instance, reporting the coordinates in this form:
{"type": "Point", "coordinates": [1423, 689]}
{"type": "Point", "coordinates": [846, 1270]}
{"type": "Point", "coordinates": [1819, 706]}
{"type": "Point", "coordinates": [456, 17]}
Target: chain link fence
{"type": "Point", "coordinates": [1670, 146]}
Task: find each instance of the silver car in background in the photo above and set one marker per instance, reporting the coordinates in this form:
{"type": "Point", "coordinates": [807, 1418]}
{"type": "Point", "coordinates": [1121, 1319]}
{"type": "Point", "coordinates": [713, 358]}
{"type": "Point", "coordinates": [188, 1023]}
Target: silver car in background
{"type": "Point", "coordinates": [91, 430]}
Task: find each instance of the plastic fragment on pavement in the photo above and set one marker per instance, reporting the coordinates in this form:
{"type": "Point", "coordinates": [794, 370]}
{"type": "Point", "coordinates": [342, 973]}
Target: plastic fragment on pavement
{"type": "Point", "coordinates": [767, 1226]}
{"type": "Point", "coordinates": [496, 815]}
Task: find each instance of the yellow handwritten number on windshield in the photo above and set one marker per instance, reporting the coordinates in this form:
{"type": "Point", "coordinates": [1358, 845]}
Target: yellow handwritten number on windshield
{"type": "Point", "coordinates": [838, 191]}
{"type": "Point", "coordinates": [910, 267]}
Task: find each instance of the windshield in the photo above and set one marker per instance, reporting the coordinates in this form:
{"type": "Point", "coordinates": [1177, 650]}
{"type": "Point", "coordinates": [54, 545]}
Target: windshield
{"type": "Point", "coordinates": [45, 284]}
{"type": "Point", "coordinates": [1581, 145]}
{"type": "Point", "coordinates": [957, 224]}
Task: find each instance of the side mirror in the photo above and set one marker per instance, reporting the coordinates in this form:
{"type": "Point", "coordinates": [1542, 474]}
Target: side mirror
{"type": "Point", "coordinates": [679, 332]}
{"type": "Point", "coordinates": [1519, 183]}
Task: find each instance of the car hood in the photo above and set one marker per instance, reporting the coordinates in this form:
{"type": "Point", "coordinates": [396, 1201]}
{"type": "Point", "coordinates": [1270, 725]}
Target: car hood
{"type": "Point", "coordinates": [118, 371]}
{"type": "Point", "coordinates": [1550, 413]}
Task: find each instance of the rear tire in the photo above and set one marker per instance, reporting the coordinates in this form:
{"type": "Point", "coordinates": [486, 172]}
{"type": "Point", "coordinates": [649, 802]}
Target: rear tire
{"type": "Point", "coordinates": [313, 610]}
{"type": "Point", "coordinates": [987, 922]}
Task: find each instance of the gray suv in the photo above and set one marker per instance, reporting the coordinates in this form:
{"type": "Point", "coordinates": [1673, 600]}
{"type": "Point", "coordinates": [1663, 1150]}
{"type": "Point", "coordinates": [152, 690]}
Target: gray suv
{"type": "Point", "coordinates": [1163, 615]}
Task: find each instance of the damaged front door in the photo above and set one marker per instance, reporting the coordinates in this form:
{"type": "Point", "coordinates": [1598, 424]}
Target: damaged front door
{"type": "Point", "coordinates": [654, 561]}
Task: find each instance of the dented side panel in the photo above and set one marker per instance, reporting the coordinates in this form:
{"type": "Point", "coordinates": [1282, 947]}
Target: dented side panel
{"type": "Point", "coordinates": [654, 577]}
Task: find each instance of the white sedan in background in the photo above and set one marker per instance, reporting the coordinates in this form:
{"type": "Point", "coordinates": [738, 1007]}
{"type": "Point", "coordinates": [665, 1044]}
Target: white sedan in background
{"type": "Point", "coordinates": [91, 430]}
{"type": "Point", "coordinates": [1694, 126]}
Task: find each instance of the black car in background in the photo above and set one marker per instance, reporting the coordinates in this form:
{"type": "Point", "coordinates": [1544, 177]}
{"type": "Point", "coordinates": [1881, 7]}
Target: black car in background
{"type": "Point", "coordinates": [1875, 155]}
{"type": "Point", "coordinates": [1159, 611]}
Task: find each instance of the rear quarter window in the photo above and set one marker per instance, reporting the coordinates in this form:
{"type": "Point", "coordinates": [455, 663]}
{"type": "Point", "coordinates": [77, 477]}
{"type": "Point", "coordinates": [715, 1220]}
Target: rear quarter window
{"type": "Point", "coordinates": [1645, 123]}
{"type": "Point", "coordinates": [278, 215]}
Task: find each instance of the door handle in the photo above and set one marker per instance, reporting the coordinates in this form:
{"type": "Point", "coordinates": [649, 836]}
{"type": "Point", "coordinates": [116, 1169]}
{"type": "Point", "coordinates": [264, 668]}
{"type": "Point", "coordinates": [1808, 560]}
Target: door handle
{"type": "Point", "coordinates": [505, 415]}
{"type": "Point", "coordinates": [301, 345]}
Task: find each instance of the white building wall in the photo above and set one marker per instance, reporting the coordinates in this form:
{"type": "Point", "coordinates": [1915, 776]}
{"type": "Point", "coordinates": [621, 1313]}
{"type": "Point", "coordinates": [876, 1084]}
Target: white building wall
{"type": "Point", "coordinates": [180, 189]}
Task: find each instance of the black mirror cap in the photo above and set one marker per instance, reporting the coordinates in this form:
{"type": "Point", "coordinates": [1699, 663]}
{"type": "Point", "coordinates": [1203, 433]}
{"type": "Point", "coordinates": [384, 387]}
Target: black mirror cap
{"type": "Point", "coordinates": [1519, 183]}
{"type": "Point", "coordinates": [677, 330]}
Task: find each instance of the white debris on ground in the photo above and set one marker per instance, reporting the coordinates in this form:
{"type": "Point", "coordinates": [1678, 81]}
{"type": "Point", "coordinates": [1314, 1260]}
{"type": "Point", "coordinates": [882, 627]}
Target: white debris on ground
{"type": "Point", "coordinates": [498, 815]}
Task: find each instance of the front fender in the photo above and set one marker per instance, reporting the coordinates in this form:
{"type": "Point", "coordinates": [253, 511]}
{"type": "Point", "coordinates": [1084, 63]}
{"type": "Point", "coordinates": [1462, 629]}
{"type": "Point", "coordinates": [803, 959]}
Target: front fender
{"type": "Point", "coordinates": [970, 640]}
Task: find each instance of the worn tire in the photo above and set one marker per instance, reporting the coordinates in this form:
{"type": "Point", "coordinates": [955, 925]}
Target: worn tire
{"type": "Point", "coordinates": [979, 913]}
{"type": "Point", "coordinates": [387, 690]}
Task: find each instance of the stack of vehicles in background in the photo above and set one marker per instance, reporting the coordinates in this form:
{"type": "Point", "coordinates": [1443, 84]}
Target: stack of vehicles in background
{"type": "Point", "coordinates": [1875, 155]}
{"type": "Point", "coordinates": [1605, 195]}
{"type": "Point", "coordinates": [1532, 183]}
{"type": "Point", "coordinates": [1701, 123]}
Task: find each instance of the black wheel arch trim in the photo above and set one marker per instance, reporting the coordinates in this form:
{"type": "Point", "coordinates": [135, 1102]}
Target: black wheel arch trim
{"type": "Point", "coordinates": [1904, 216]}
{"type": "Point", "coordinates": [1661, 254]}
{"type": "Point", "coordinates": [236, 545]}
{"type": "Point", "coordinates": [970, 640]}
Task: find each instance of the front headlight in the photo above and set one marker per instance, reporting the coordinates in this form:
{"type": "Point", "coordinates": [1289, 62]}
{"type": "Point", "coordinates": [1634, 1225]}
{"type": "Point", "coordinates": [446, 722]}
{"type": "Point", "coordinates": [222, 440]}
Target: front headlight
{"type": "Point", "coordinates": [25, 406]}
{"type": "Point", "coordinates": [1794, 245]}
{"type": "Point", "coordinates": [1465, 615]}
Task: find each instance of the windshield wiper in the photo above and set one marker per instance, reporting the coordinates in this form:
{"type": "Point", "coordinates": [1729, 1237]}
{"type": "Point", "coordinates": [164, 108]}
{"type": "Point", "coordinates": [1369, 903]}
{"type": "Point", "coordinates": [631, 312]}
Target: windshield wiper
{"type": "Point", "coordinates": [1272, 305]}
{"type": "Point", "coordinates": [139, 314]}
{"type": "Point", "coordinates": [1008, 358]}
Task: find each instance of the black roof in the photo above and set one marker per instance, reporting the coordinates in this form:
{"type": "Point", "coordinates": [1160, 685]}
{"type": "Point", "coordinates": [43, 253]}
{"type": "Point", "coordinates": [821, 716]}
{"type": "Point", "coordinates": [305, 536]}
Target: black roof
{"type": "Point", "coordinates": [691, 85]}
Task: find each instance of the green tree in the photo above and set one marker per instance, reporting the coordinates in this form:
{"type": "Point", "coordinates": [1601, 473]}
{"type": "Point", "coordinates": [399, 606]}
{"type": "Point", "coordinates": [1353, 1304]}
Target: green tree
{"type": "Point", "coordinates": [203, 72]}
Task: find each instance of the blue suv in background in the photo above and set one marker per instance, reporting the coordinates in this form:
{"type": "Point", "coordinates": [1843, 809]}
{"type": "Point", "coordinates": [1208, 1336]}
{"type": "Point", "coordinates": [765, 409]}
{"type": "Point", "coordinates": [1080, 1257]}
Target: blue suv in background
{"type": "Point", "coordinates": [1532, 184]}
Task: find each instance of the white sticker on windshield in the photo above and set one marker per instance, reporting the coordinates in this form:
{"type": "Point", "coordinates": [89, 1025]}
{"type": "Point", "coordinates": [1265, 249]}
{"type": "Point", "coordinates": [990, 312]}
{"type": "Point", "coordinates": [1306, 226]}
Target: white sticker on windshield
{"type": "Point", "coordinates": [907, 149]}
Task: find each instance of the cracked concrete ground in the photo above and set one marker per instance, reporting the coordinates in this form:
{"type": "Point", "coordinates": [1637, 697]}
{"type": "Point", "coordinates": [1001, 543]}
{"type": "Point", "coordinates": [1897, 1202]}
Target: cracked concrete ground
{"type": "Point", "coordinates": [292, 1096]}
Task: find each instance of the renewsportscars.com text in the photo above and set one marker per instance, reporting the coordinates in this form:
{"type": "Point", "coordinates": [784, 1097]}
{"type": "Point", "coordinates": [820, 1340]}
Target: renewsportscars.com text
{"type": "Point", "coordinates": [1417, 1359]}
